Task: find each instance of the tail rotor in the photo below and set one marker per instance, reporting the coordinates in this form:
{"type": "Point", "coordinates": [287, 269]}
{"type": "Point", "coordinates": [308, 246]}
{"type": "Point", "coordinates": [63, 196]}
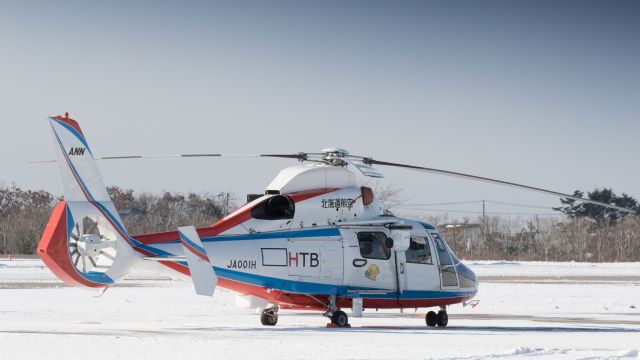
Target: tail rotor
{"type": "Point", "coordinates": [89, 249]}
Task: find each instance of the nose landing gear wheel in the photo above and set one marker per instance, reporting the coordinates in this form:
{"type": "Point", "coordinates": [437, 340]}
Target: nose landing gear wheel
{"type": "Point", "coordinates": [442, 319]}
{"type": "Point", "coordinates": [269, 317]}
{"type": "Point", "coordinates": [340, 319]}
{"type": "Point", "coordinates": [431, 318]}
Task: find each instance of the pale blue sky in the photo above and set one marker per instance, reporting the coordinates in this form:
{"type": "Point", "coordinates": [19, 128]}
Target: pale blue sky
{"type": "Point", "coordinates": [546, 93]}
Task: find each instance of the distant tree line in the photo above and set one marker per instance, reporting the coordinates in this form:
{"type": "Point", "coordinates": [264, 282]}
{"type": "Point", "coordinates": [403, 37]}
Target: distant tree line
{"type": "Point", "coordinates": [24, 214]}
{"type": "Point", "coordinates": [543, 239]}
{"type": "Point", "coordinates": [146, 213]}
{"type": "Point", "coordinates": [588, 233]}
{"type": "Point", "coordinates": [23, 217]}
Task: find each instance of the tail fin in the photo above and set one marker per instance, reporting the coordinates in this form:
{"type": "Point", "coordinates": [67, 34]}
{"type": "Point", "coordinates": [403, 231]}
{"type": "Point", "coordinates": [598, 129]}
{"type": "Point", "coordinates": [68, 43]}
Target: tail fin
{"type": "Point", "coordinates": [80, 177]}
{"type": "Point", "coordinates": [85, 242]}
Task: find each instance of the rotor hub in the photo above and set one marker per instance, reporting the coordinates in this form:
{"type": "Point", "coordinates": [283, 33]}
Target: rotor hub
{"type": "Point", "coordinates": [89, 245]}
{"type": "Point", "coordinates": [335, 156]}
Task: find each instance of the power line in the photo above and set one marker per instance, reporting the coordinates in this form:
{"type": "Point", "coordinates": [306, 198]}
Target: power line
{"type": "Point", "coordinates": [520, 205]}
{"type": "Point", "coordinates": [480, 212]}
{"type": "Point", "coordinates": [440, 204]}
{"type": "Point", "coordinates": [477, 202]}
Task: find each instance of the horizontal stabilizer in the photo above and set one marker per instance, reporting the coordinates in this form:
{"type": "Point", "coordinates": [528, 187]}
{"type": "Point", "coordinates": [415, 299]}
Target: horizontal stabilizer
{"type": "Point", "coordinates": [202, 274]}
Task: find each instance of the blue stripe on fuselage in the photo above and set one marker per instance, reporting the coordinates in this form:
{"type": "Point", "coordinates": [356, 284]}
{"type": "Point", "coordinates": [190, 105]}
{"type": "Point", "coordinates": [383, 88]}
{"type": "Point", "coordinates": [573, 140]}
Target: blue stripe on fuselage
{"type": "Point", "coordinates": [304, 233]}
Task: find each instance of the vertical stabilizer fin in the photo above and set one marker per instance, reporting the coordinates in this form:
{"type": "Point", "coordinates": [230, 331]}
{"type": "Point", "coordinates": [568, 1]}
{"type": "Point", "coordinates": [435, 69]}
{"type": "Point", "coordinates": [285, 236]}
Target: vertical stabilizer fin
{"type": "Point", "coordinates": [202, 274]}
{"type": "Point", "coordinates": [80, 176]}
{"type": "Point", "coordinates": [85, 242]}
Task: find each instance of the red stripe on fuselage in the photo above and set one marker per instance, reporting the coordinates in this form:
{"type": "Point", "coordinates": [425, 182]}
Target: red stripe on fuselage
{"type": "Point", "coordinates": [227, 223]}
{"type": "Point", "coordinates": [308, 194]}
{"type": "Point", "coordinates": [216, 229]}
{"type": "Point", "coordinates": [303, 301]}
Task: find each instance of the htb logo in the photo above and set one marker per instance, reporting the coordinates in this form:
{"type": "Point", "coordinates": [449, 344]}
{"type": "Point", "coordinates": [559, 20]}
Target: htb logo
{"type": "Point", "coordinates": [77, 151]}
{"type": "Point", "coordinates": [311, 262]}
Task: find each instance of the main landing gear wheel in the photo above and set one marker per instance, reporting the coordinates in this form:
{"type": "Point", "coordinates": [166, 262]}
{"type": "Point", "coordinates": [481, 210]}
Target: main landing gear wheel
{"type": "Point", "coordinates": [442, 319]}
{"type": "Point", "coordinates": [269, 317]}
{"type": "Point", "coordinates": [431, 318]}
{"type": "Point", "coordinates": [340, 319]}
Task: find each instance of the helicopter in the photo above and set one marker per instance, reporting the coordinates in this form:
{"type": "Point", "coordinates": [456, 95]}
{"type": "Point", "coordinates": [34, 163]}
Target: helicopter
{"type": "Point", "coordinates": [315, 239]}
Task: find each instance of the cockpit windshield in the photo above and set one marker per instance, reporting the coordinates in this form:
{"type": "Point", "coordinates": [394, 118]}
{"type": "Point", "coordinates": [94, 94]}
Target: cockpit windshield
{"type": "Point", "coordinates": [466, 277]}
{"type": "Point", "coordinates": [446, 255]}
{"type": "Point", "coordinates": [440, 243]}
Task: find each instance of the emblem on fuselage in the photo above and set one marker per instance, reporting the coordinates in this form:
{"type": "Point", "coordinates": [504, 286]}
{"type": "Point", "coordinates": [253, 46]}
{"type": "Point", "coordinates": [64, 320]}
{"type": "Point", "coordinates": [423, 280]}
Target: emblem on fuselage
{"type": "Point", "coordinates": [338, 203]}
{"type": "Point", "coordinates": [372, 272]}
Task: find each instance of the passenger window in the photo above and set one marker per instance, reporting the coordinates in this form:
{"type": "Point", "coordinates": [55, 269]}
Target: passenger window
{"type": "Point", "coordinates": [277, 207]}
{"type": "Point", "coordinates": [419, 251]}
{"type": "Point", "coordinates": [373, 245]}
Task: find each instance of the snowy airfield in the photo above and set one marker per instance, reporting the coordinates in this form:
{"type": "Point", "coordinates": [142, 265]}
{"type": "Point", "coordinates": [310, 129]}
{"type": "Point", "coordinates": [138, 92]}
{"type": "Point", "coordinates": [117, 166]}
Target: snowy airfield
{"type": "Point", "coordinates": [527, 310]}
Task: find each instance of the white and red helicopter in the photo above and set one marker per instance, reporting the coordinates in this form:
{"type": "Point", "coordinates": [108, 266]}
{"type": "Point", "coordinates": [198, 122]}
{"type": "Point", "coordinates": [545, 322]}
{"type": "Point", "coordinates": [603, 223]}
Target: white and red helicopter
{"type": "Point", "coordinates": [315, 240]}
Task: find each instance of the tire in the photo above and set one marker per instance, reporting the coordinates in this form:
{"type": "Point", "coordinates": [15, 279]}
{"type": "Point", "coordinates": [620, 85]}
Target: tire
{"type": "Point", "coordinates": [442, 319]}
{"type": "Point", "coordinates": [340, 319]}
{"type": "Point", "coordinates": [431, 318]}
{"type": "Point", "coordinates": [268, 318]}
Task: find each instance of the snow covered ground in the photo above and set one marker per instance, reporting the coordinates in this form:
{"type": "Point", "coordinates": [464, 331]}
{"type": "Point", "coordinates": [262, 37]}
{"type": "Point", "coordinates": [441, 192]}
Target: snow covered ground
{"type": "Point", "coordinates": [527, 310]}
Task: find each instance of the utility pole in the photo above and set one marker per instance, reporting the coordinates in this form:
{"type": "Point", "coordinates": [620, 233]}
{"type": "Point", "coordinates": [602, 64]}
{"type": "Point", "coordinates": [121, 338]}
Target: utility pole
{"type": "Point", "coordinates": [484, 219]}
{"type": "Point", "coordinates": [484, 222]}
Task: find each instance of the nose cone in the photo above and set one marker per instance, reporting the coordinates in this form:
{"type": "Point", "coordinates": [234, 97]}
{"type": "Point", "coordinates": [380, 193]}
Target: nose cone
{"type": "Point", "coordinates": [466, 276]}
{"type": "Point", "coordinates": [476, 281]}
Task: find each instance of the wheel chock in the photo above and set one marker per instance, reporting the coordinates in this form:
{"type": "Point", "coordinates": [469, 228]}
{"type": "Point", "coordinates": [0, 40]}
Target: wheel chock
{"type": "Point", "coordinates": [334, 326]}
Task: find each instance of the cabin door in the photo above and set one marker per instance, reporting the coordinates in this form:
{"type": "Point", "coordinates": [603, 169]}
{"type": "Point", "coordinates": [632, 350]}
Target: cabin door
{"type": "Point", "coordinates": [368, 262]}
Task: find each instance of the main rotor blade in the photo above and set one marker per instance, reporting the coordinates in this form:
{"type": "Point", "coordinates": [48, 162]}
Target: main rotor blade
{"type": "Point", "coordinates": [298, 156]}
{"type": "Point", "coordinates": [493, 181]}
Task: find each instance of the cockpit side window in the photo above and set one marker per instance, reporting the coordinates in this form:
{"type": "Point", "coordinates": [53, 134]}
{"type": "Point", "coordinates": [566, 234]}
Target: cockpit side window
{"type": "Point", "coordinates": [373, 245]}
{"type": "Point", "coordinates": [419, 251]}
{"type": "Point", "coordinates": [278, 207]}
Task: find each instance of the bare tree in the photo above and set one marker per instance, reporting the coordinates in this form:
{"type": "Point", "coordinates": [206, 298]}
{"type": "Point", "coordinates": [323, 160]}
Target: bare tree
{"type": "Point", "coordinates": [389, 195]}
